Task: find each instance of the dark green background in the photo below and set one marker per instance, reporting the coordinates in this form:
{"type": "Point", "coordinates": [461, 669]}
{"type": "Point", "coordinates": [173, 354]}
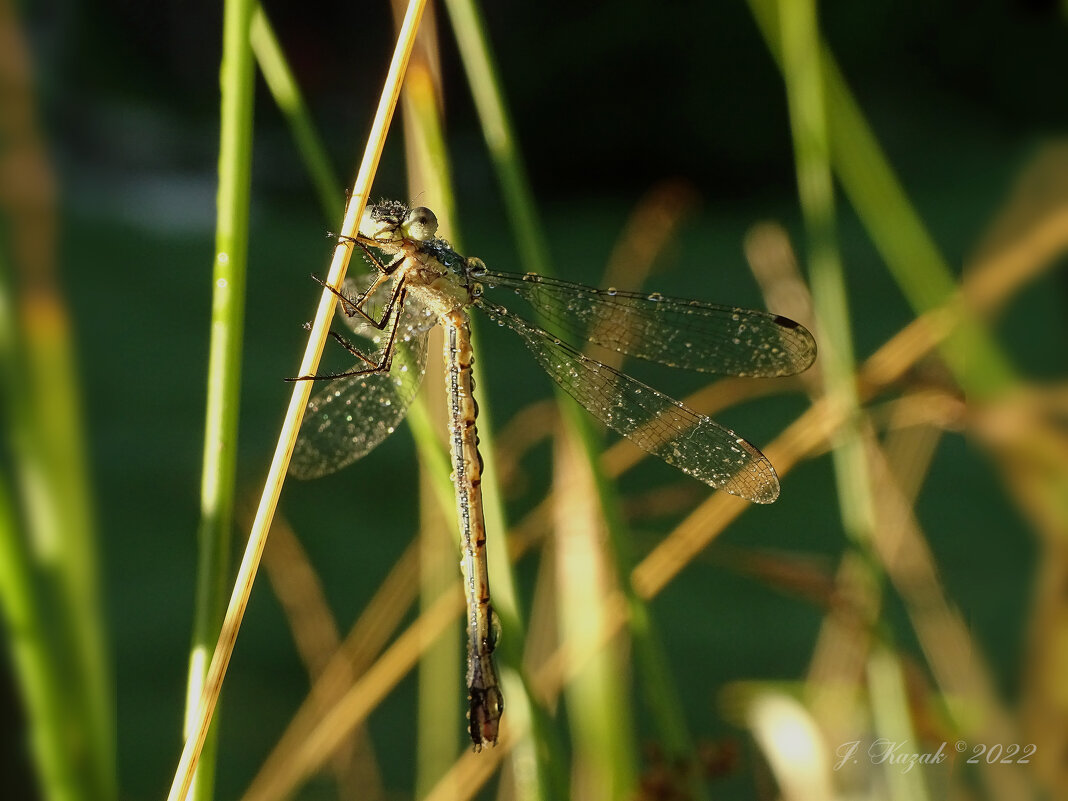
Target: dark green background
{"type": "Point", "coordinates": [608, 100]}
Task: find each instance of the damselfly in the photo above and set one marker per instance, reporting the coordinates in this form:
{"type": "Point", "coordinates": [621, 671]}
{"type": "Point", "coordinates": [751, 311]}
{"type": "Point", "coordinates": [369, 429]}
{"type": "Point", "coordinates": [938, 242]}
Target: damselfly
{"type": "Point", "coordinates": [426, 282]}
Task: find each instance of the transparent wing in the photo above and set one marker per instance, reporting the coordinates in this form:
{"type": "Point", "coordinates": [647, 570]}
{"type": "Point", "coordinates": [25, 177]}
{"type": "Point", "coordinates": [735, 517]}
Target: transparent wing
{"type": "Point", "coordinates": [695, 444]}
{"type": "Point", "coordinates": [679, 333]}
{"type": "Point", "coordinates": [348, 417]}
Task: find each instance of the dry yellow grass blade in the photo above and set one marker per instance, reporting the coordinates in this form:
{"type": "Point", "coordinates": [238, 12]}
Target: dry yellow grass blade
{"type": "Point", "coordinates": [300, 593]}
{"type": "Point", "coordinates": [294, 414]}
{"type": "Point", "coordinates": [363, 644]}
{"type": "Point", "coordinates": [996, 277]}
{"type": "Point", "coordinates": [281, 777]}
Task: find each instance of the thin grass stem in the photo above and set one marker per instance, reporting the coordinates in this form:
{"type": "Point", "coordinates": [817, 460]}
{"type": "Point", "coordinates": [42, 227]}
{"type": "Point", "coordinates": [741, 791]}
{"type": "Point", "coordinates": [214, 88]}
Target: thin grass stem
{"type": "Point", "coordinates": [295, 411]}
{"type": "Point", "coordinates": [290, 101]}
{"type": "Point", "coordinates": [218, 471]}
{"type": "Point", "coordinates": [803, 75]}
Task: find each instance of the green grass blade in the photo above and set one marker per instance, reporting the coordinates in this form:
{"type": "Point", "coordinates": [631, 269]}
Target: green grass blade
{"type": "Point", "coordinates": [808, 123]}
{"type": "Point", "coordinates": [290, 101]}
{"type": "Point", "coordinates": [34, 617]}
{"type": "Point", "coordinates": [214, 535]}
{"type": "Point", "coordinates": [53, 583]}
{"type": "Point", "coordinates": [894, 226]}
{"type": "Point", "coordinates": [35, 657]}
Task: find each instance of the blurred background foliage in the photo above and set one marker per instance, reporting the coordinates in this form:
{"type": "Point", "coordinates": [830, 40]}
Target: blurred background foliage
{"type": "Point", "coordinates": [670, 108]}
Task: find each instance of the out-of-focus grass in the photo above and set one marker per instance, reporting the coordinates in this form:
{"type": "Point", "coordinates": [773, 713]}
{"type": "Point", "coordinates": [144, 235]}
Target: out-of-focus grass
{"type": "Point", "coordinates": [49, 582]}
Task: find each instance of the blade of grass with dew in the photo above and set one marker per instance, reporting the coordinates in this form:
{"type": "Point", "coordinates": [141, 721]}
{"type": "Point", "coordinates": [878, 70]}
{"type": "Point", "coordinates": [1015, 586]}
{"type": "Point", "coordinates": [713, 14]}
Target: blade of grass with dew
{"type": "Point", "coordinates": [295, 411]}
{"type": "Point", "coordinates": [664, 703]}
{"type": "Point", "coordinates": [429, 171]}
{"type": "Point", "coordinates": [48, 446]}
{"type": "Point", "coordinates": [219, 467]}
{"type": "Point", "coordinates": [911, 255]}
{"type": "Point", "coordinates": [438, 674]}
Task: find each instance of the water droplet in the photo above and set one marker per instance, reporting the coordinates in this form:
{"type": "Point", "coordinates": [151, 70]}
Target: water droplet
{"type": "Point", "coordinates": [611, 290]}
{"type": "Point", "coordinates": [655, 296]}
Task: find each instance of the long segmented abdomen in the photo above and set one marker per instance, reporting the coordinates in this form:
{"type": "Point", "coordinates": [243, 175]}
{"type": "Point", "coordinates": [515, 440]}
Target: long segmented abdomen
{"type": "Point", "coordinates": [483, 685]}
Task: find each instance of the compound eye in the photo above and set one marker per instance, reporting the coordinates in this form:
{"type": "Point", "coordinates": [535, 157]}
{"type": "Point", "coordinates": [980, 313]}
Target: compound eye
{"type": "Point", "coordinates": [421, 224]}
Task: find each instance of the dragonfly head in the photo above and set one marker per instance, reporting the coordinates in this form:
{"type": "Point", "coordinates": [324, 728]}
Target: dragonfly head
{"type": "Point", "coordinates": [392, 221]}
{"type": "Point", "coordinates": [421, 224]}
